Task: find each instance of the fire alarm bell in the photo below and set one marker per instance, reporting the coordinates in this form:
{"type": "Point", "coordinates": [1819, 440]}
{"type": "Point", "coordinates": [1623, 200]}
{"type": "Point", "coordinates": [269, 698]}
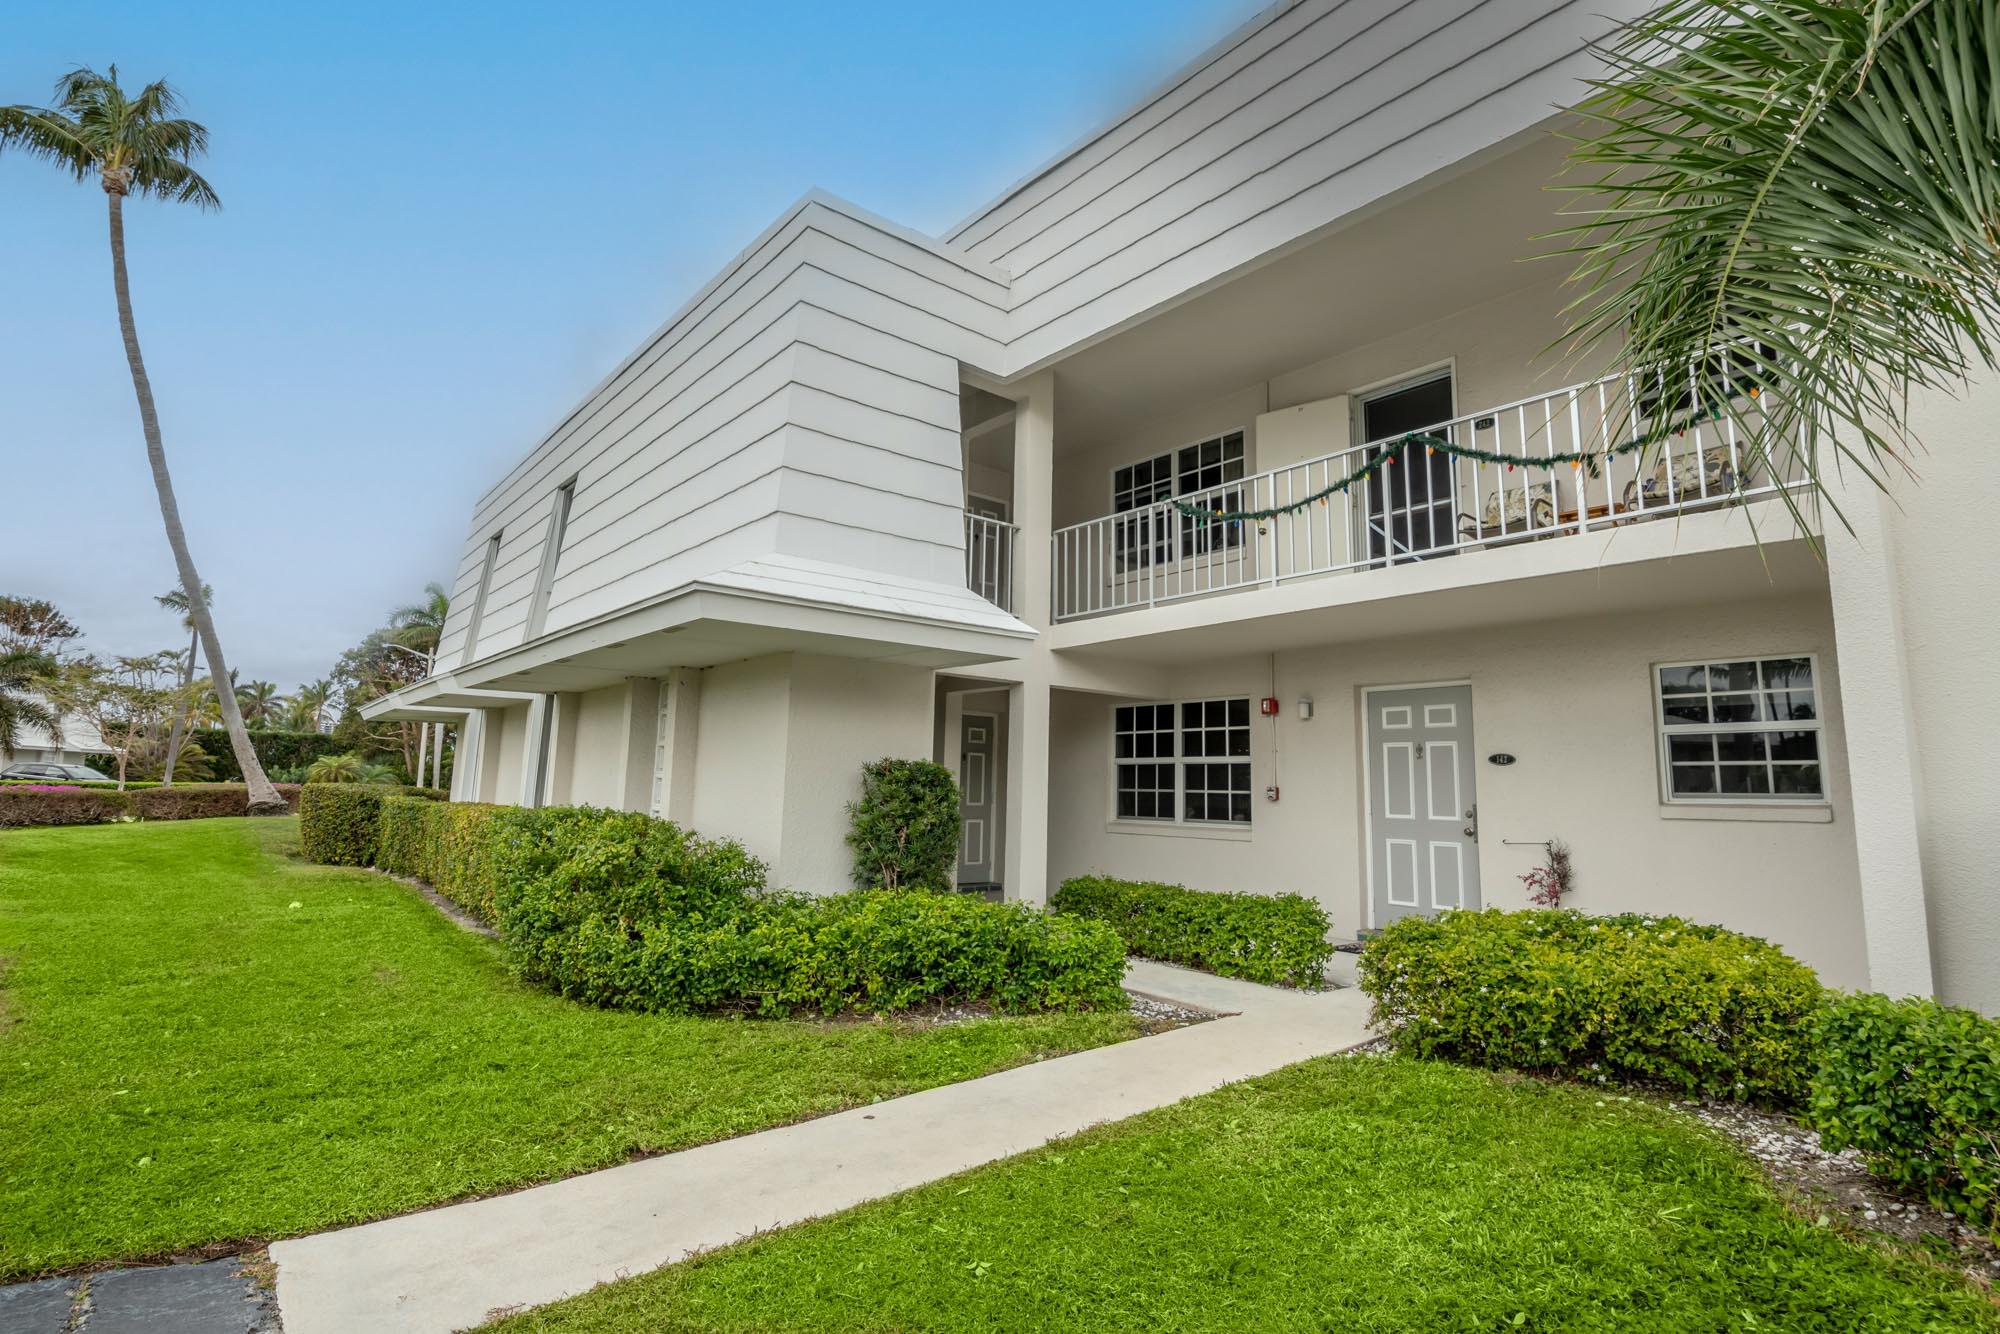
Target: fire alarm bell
{"type": "Point", "coordinates": [1271, 792]}
{"type": "Point", "coordinates": [1268, 706]}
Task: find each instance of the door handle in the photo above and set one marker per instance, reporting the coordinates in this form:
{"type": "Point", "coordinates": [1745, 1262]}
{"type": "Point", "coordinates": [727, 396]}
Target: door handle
{"type": "Point", "coordinates": [1472, 825]}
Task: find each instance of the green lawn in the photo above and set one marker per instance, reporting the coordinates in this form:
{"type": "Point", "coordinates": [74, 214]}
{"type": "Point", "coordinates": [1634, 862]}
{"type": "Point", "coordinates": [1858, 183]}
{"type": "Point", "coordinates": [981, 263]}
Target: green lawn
{"type": "Point", "coordinates": [203, 1040]}
{"type": "Point", "coordinates": [1350, 1194]}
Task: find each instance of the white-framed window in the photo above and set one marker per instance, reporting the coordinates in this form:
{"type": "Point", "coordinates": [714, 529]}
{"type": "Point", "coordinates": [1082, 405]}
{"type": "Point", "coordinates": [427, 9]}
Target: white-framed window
{"type": "Point", "coordinates": [1741, 730]}
{"type": "Point", "coordinates": [486, 565]}
{"type": "Point", "coordinates": [1185, 762]}
{"type": "Point", "coordinates": [1201, 466]}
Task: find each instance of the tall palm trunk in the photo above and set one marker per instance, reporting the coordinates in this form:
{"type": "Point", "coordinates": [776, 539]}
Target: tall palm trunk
{"type": "Point", "coordinates": [179, 732]}
{"type": "Point", "coordinates": [264, 798]}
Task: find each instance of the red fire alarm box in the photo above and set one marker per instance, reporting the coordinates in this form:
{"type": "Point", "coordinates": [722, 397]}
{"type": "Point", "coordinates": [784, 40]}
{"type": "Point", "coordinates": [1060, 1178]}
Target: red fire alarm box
{"type": "Point", "coordinates": [1268, 706]}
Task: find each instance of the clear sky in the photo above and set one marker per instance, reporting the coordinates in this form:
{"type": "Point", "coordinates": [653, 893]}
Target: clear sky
{"type": "Point", "coordinates": [442, 224]}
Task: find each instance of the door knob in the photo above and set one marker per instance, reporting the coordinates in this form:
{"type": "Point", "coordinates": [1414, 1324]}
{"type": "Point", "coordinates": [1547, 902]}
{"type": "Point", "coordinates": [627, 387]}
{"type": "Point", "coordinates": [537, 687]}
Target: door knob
{"type": "Point", "coordinates": [1472, 822]}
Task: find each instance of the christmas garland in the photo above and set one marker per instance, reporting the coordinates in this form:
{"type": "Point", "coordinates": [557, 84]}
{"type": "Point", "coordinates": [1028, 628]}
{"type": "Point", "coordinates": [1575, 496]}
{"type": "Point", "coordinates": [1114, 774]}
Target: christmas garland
{"type": "Point", "coordinates": [1386, 457]}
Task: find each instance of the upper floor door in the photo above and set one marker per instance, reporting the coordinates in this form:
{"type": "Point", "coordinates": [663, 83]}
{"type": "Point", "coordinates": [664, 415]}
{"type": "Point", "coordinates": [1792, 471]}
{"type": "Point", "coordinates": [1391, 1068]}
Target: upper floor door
{"type": "Point", "coordinates": [1409, 506]}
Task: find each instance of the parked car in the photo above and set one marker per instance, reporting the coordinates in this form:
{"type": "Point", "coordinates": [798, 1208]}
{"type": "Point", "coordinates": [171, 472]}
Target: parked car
{"type": "Point", "coordinates": [54, 773]}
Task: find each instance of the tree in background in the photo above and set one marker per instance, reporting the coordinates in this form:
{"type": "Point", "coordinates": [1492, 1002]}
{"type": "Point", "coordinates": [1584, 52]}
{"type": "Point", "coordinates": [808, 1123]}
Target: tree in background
{"type": "Point", "coordinates": [34, 625]}
{"type": "Point", "coordinates": [130, 701]}
{"type": "Point", "coordinates": [305, 708]}
{"type": "Point", "coordinates": [420, 625]}
{"type": "Point", "coordinates": [178, 601]}
{"type": "Point", "coordinates": [136, 144]}
{"type": "Point", "coordinates": [259, 702]}
{"type": "Point", "coordinates": [1815, 187]}
{"type": "Point", "coordinates": [23, 673]}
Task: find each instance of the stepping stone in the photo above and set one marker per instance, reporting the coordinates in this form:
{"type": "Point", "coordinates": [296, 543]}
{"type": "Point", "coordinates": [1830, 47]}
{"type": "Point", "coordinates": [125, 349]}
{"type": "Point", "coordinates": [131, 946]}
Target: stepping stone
{"type": "Point", "coordinates": [41, 1307]}
{"type": "Point", "coordinates": [178, 1299]}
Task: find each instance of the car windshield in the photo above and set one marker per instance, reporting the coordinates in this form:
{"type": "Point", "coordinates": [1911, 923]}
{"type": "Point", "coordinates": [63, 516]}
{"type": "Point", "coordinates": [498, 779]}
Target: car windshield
{"type": "Point", "coordinates": [82, 774]}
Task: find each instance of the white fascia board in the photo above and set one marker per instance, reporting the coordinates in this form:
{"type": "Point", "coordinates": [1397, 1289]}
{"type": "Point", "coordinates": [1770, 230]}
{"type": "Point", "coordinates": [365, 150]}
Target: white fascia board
{"type": "Point", "coordinates": [760, 608]}
{"type": "Point", "coordinates": [439, 698]}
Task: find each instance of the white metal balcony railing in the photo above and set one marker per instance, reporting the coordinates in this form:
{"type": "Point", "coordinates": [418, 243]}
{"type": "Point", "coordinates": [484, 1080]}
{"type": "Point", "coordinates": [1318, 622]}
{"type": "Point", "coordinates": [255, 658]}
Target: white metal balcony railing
{"type": "Point", "coordinates": [1424, 506]}
{"type": "Point", "coordinates": [989, 559]}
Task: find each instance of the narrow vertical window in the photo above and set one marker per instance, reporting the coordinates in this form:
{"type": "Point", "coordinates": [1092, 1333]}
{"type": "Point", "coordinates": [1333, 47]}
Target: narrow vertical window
{"type": "Point", "coordinates": [545, 578]}
{"type": "Point", "coordinates": [479, 597]}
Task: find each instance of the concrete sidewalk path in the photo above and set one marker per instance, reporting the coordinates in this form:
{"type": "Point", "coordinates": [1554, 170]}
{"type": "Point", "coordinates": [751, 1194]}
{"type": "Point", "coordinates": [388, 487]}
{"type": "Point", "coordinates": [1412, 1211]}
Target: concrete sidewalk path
{"type": "Point", "coordinates": [453, 1267]}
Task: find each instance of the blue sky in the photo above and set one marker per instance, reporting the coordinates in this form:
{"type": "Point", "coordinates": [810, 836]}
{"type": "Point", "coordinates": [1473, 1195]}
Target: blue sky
{"type": "Point", "coordinates": [442, 224]}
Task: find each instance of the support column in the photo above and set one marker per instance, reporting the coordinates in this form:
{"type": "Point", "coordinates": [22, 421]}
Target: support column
{"type": "Point", "coordinates": [561, 758]}
{"type": "Point", "coordinates": [637, 751]}
{"type": "Point", "coordinates": [1034, 495]}
{"type": "Point", "coordinates": [1882, 764]}
{"type": "Point", "coordinates": [1027, 874]}
{"type": "Point", "coordinates": [535, 750]}
{"type": "Point", "coordinates": [465, 758]}
{"type": "Point", "coordinates": [679, 718]}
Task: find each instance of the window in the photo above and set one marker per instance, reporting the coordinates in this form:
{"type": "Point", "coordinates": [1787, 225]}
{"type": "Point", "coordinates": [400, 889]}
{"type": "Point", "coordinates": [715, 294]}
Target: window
{"type": "Point", "coordinates": [545, 578]}
{"type": "Point", "coordinates": [1183, 763]}
{"type": "Point", "coordinates": [1201, 467]}
{"type": "Point", "coordinates": [479, 598]}
{"type": "Point", "coordinates": [1740, 731]}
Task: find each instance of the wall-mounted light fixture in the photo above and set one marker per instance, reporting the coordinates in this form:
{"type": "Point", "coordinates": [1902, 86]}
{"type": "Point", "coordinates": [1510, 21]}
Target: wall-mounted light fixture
{"type": "Point", "coordinates": [1305, 708]}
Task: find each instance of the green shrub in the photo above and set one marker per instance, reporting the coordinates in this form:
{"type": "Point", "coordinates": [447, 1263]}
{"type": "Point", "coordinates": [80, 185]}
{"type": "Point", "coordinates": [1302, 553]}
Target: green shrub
{"type": "Point", "coordinates": [1916, 1086]}
{"type": "Point", "coordinates": [618, 909]}
{"type": "Point", "coordinates": [1694, 1007]}
{"type": "Point", "coordinates": [340, 823]}
{"type": "Point", "coordinates": [201, 801]}
{"type": "Point", "coordinates": [25, 806]}
{"type": "Point", "coordinates": [905, 828]}
{"type": "Point", "coordinates": [1269, 938]}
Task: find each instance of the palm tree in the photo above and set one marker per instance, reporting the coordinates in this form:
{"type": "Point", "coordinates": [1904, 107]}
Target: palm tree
{"type": "Point", "coordinates": [258, 701]}
{"type": "Point", "coordinates": [1814, 186]}
{"type": "Point", "coordinates": [136, 144]}
{"type": "Point", "coordinates": [177, 601]}
{"type": "Point", "coordinates": [22, 670]}
{"type": "Point", "coordinates": [305, 708]}
{"type": "Point", "coordinates": [420, 625]}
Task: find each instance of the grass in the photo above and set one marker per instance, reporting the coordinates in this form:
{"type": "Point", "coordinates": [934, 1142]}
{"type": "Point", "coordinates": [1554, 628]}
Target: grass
{"type": "Point", "coordinates": [1352, 1194]}
{"type": "Point", "coordinates": [202, 1040]}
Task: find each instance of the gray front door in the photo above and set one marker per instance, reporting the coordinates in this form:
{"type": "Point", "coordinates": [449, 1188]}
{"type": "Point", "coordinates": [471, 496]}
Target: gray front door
{"type": "Point", "coordinates": [978, 827]}
{"type": "Point", "coordinates": [1422, 811]}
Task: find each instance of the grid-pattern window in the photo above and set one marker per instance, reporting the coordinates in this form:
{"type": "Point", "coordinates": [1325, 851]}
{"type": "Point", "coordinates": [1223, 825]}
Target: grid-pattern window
{"type": "Point", "coordinates": [1185, 763]}
{"type": "Point", "coordinates": [1135, 488]}
{"type": "Point", "coordinates": [1204, 467]}
{"type": "Point", "coordinates": [1741, 731]}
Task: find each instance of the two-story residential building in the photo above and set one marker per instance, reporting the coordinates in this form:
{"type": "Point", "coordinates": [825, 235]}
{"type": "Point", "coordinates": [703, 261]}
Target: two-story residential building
{"type": "Point", "coordinates": [877, 493]}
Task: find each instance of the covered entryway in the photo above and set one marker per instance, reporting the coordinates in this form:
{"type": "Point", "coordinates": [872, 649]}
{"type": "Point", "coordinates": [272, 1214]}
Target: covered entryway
{"type": "Point", "coordinates": [1423, 832]}
{"type": "Point", "coordinates": [972, 743]}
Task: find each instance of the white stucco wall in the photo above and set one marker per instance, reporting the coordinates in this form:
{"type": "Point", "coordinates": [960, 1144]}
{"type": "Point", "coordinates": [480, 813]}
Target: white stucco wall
{"type": "Point", "coordinates": [503, 754]}
{"type": "Point", "coordinates": [1948, 581]}
{"type": "Point", "coordinates": [1572, 701]}
{"type": "Point", "coordinates": [598, 754]}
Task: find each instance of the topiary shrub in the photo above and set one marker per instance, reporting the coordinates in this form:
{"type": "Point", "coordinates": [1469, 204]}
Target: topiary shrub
{"type": "Point", "coordinates": [1270, 938]}
{"type": "Point", "coordinates": [1915, 1086]}
{"type": "Point", "coordinates": [905, 827]}
{"type": "Point", "coordinates": [340, 823]}
{"type": "Point", "coordinates": [25, 805]}
{"type": "Point", "coordinates": [1697, 1008]}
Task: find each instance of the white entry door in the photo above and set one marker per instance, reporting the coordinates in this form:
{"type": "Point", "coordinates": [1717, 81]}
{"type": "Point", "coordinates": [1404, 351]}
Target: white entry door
{"type": "Point", "coordinates": [1422, 811]}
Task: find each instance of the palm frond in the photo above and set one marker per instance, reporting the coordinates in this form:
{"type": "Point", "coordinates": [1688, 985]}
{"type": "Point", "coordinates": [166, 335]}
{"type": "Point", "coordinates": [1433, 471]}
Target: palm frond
{"type": "Point", "coordinates": [1813, 185]}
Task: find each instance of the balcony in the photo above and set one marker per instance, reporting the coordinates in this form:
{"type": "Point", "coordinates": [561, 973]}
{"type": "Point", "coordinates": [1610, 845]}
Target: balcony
{"type": "Point", "coordinates": [989, 558]}
{"type": "Point", "coordinates": [1429, 504]}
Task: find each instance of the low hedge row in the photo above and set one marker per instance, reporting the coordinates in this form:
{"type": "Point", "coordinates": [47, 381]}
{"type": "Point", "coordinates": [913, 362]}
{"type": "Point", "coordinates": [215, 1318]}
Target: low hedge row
{"type": "Point", "coordinates": [621, 910]}
{"type": "Point", "coordinates": [1697, 1008]}
{"type": "Point", "coordinates": [340, 823]}
{"type": "Point", "coordinates": [21, 807]}
{"type": "Point", "coordinates": [1915, 1086]}
{"type": "Point", "coordinates": [1269, 938]}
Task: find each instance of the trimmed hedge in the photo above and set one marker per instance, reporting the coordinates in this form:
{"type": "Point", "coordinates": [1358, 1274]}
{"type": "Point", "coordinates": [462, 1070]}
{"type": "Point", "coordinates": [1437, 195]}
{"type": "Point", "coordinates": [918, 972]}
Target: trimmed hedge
{"type": "Point", "coordinates": [622, 910]}
{"type": "Point", "coordinates": [1915, 1086]}
{"type": "Point", "coordinates": [340, 823]}
{"type": "Point", "coordinates": [1698, 1008]}
{"type": "Point", "coordinates": [21, 807]}
{"type": "Point", "coordinates": [1270, 938]}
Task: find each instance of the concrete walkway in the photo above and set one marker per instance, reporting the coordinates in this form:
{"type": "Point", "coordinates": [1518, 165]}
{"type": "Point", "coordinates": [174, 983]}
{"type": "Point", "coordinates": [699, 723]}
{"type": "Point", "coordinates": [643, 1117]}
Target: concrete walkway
{"type": "Point", "coordinates": [453, 1267]}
